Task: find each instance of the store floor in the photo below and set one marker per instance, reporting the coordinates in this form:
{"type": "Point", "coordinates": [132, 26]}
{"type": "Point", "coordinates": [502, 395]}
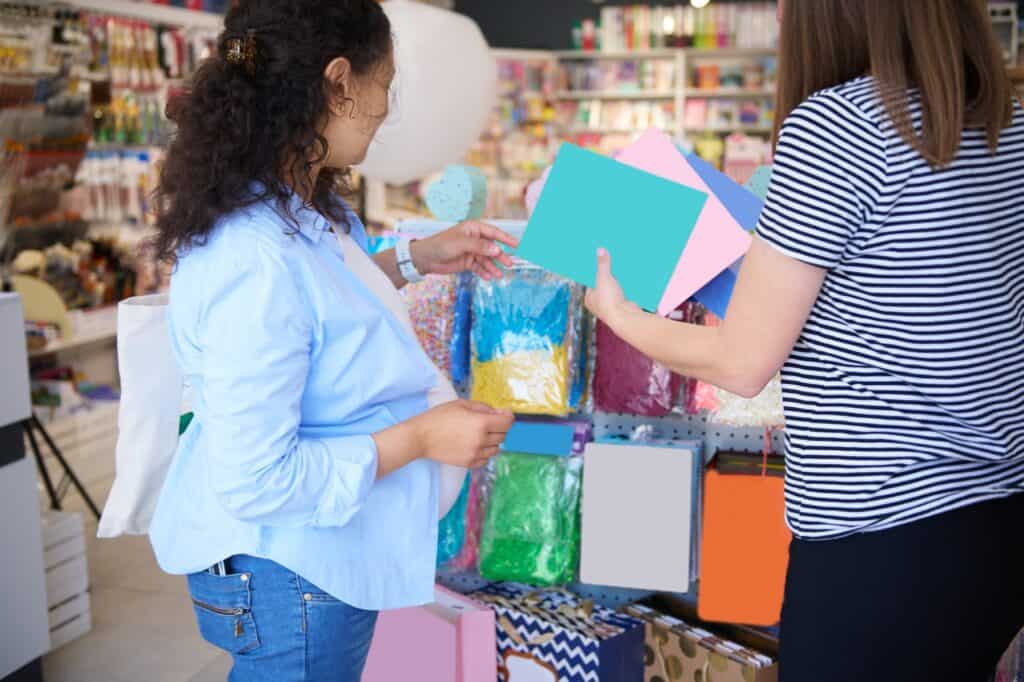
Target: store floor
{"type": "Point", "coordinates": [143, 627]}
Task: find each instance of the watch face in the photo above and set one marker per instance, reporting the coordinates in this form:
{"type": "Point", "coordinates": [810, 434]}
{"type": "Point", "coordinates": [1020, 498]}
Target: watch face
{"type": "Point", "coordinates": [523, 668]}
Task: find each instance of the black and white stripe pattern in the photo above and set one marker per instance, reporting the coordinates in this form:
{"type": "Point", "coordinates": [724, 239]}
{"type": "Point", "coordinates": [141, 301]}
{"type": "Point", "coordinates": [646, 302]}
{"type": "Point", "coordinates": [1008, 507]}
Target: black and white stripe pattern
{"type": "Point", "coordinates": [904, 396]}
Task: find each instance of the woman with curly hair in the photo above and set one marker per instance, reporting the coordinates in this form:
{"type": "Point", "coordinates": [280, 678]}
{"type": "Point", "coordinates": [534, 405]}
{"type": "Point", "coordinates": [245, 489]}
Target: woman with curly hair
{"type": "Point", "coordinates": [303, 498]}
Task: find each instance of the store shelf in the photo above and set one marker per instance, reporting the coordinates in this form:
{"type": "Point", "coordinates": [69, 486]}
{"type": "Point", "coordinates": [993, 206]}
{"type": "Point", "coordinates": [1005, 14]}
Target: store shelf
{"type": "Point", "coordinates": [78, 342]}
{"type": "Point", "coordinates": [95, 327]}
{"type": "Point", "coordinates": [520, 55]}
{"type": "Point", "coordinates": [627, 55]}
{"type": "Point", "coordinates": [727, 93]}
{"type": "Point", "coordinates": [730, 52]}
{"type": "Point", "coordinates": [739, 128]}
{"type": "Point", "coordinates": [668, 53]}
{"type": "Point", "coordinates": [158, 14]}
{"type": "Point", "coordinates": [613, 95]}
{"type": "Point", "coordinates": [583, 130]}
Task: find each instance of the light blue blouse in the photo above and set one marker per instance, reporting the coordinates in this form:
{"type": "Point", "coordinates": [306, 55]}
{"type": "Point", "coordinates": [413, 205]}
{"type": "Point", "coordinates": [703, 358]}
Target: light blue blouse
{"type": "Point", "coordinates": [294, 365]}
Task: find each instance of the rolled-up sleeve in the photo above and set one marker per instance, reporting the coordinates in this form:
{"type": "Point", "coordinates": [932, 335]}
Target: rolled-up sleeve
{"type": "Point", "coordinates": [256, 338]}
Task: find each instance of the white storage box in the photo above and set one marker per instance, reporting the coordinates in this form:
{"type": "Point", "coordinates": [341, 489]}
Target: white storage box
{"type": "Point", "coordinates": [67, 576]}
{"type": "Point", "coordinates": [87, 438]}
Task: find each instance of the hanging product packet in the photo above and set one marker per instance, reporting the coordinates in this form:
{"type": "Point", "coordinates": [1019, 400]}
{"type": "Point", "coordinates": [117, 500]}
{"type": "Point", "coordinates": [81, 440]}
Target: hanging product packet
{"type": "Point", "coordinates": [763, 411]}
{"type": "Point", "coordinates": [431, 305]}
{"type": "Point", "coordinates": [451, 531]}
{"type": "Point", "coordinates": [462, 317]}
{"type": "Point", "coordinates": [580, 393]}
{"type": "Point", "coordinates": [627, 381]}
{"type": "Point", "coordinates": [531, 530]}
{"type": "Point", "coordinates": [743, 526]}
{"type": "Point", "coordinates": [701, 396]}
{"type": "Point", "coordinates": [525, 341]}
{"type": "Point", "coordinates": [477, 494]}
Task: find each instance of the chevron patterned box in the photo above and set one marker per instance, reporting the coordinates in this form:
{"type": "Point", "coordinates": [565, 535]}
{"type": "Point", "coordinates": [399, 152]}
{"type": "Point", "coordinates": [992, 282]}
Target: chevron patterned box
{"type": "Point", "coordinates": [555, 636]}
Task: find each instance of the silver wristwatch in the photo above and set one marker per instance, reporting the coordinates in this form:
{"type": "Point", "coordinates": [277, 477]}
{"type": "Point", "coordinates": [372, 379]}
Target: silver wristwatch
{"type": "Point", "coordinates": [403, 254]}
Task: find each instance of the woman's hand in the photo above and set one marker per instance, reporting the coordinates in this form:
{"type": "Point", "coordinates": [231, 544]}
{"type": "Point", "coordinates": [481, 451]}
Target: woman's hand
{"type": "Point", "coordinates": [467, 246]}
{"type": "Point", "coordinates": [462, 433]}
{"type": "Point", "coordinates": [606, 300]}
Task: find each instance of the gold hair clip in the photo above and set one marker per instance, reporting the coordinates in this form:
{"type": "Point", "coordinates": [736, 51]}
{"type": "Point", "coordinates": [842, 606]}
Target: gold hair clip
{"type": "Point", "coordinates": [242, 52]}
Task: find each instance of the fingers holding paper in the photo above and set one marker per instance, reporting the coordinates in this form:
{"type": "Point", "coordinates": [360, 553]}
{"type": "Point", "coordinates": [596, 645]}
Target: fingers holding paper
{"type": "Point", "coordinates": [471, 245]}
{"type": "Point", "coordinates": [606, 300]}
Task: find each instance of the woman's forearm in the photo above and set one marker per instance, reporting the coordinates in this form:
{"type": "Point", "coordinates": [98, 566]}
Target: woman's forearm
{"type": "Point", "coordinates": [773, 296]}
{"type": "Point", "coordinates": [396, 446]}
{"type": "Point", "coordinates": [387, 261]}
{"type": "Point", "coordinates": [687, 349]}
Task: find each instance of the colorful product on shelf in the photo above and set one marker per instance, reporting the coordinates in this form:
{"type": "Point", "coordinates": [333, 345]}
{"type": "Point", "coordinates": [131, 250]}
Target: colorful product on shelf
{"type": "Point", "coordinates": [744, 155]}
{"type": "Point", "coordinates": [744, 517]}
{"type": "Point", "coordinates": [553, 635]}
{"type": "Point", "coordinates": [531, 530]}
{"type": "Point", "coordinates": [759, 181]}
{"type": "Point", "coordinates": [476, 502]}
{"type": "Point", "coordinates": [627, 381]}
{"type": "Point", "coordinates": [676, 650]}
{"type": "Point", "coordinates": [640, 27]}
{"type": "Point", "coordinates": [461, 341]}
{"type": "Point", "coordinates": [523, 341]}
{"type": "Point", "coordinates": [610, 117]}
{"type": "Point", "coordinates": [626, 77]}
{"type": "Point", "coordinates": [431, 305]}
{"type": "Point", "coordinates": [701, 396]}
{"type": "Point", "coordinates": [451, 531]}
{"type": "Point", "coordinates": [635, 497]}
{"type": "Point", "coordinates": [763, 411]}
{"type": "Point", "coordinates": [459, 194]}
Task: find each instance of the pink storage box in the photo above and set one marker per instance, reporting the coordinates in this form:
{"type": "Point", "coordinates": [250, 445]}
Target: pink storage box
{"type": "Point", "coordinates": [451, 640]}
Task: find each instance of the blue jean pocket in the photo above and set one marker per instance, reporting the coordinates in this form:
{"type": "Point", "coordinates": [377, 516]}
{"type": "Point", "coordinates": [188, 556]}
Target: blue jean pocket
{"type": "Point", "coordinates": [223, 607]}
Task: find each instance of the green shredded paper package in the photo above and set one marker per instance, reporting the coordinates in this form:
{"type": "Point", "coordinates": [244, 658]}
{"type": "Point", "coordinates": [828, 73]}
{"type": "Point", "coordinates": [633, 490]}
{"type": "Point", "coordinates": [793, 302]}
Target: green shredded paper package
{"type": "Point", "coordinates": [531, 531]}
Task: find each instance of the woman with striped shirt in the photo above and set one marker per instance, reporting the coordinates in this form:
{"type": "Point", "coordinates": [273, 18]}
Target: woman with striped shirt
{"type": "Point", "coordinates": [887, 282]}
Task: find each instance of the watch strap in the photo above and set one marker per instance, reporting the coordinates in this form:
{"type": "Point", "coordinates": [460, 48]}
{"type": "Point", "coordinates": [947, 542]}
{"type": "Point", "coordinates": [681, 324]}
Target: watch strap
{"type": "Point", "coordinates": [403, 254]}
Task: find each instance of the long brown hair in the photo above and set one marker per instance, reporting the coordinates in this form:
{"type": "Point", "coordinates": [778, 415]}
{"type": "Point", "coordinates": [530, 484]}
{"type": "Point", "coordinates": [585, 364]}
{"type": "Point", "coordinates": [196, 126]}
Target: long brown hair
{"type": "Point", "coordinates": [946, 49]}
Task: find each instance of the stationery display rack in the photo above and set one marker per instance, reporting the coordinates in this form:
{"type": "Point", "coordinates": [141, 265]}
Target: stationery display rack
{"type": "Point", "coordinates": [150, 12]}
{"type": "Point", "coordinates": [690, 427]}
{"type": "Point", "coordinates": [680, 75]}
{"type": "Point", "coordinates": [543, 102]}
{"type": "Point", "coordinates": [84, 178]}
{"type": "Point", "coordinates": [675, 427]}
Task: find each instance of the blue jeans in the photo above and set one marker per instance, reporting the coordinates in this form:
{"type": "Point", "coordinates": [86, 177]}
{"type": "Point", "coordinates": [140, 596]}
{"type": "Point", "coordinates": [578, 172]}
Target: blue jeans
{"type": "Point", "coordinates": [279, 627]}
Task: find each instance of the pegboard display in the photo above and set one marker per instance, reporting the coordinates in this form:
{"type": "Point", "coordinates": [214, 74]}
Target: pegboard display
{"type": "Point", "coordinates": [460, 581]}
{"type": "Point", "coordinates": [672, 427]}
{"type": "Point", "coordinates": [689, 427]}
{"type": "Point", "coordinates": [609, 597]}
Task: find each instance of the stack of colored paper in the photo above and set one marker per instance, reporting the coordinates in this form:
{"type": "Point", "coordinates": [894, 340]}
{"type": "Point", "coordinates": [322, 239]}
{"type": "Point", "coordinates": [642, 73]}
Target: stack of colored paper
{"type": "Point", "coordinates": [670, 227]}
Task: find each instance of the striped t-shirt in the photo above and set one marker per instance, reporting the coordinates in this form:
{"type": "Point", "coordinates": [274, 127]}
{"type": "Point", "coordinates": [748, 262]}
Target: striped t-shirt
{"type": "Point", "coordinates": [904, 395]}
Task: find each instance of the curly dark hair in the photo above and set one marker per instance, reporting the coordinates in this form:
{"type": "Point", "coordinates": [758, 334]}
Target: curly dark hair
{"type": "Point", "coordinates": [241, 125]}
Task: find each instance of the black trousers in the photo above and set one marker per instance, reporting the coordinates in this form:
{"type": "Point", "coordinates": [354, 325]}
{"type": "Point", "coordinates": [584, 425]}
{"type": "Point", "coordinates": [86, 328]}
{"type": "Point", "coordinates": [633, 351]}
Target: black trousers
{"type": "Point", "coordinates": [936, 600]}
